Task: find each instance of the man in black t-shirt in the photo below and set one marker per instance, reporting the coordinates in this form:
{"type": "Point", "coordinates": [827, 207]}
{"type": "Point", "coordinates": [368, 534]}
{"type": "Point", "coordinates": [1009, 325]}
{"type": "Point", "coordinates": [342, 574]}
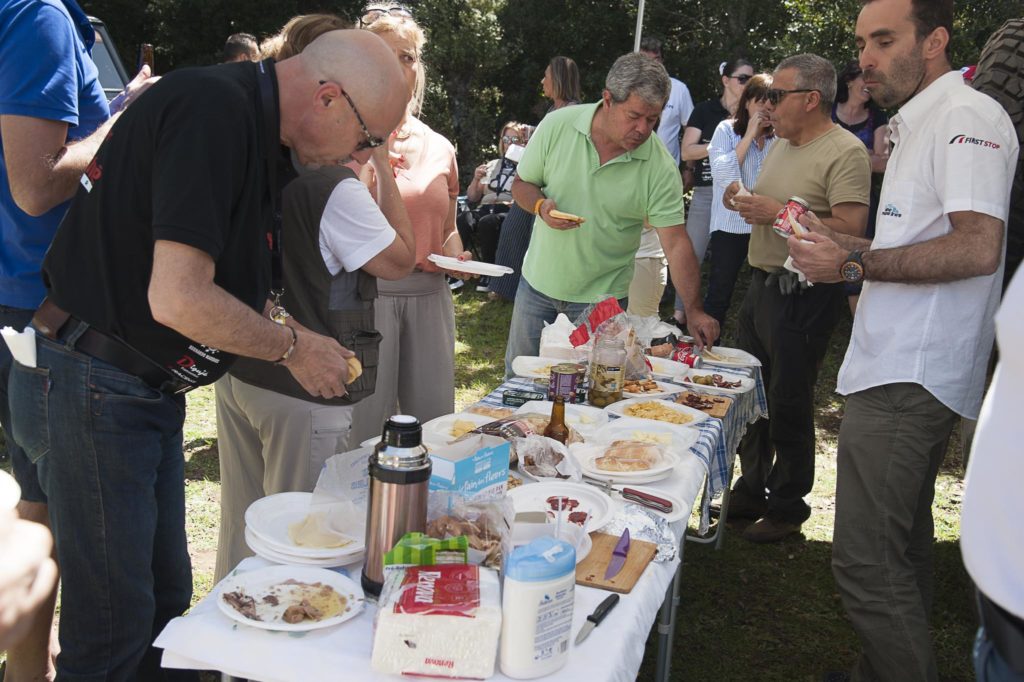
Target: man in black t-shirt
{"type": "Point", "coordinates": [157, 278]}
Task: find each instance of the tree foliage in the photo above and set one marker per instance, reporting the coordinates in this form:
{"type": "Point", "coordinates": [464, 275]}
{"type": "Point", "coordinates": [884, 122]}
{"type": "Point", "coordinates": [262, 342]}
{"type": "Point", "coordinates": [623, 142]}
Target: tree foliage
{"type": "Point", "coordinates": [486, 57]}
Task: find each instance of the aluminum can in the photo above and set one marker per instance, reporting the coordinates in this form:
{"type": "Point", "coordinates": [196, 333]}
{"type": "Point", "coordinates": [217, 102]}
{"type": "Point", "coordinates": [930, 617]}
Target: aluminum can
{"type": "Point", "coordinates": [687, 354]}
{"type": "Point", "coordinates": [563, 380]}
{"type": "Point", "coordinates": [795, 207]}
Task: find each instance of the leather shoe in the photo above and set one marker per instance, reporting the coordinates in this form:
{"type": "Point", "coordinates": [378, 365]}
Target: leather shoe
{"type": "Point", "coordinates": [770, 530]}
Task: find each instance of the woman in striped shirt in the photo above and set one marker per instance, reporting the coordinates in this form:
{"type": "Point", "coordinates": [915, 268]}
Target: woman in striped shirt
{"type": "Point", "coordinates": [736, 152]}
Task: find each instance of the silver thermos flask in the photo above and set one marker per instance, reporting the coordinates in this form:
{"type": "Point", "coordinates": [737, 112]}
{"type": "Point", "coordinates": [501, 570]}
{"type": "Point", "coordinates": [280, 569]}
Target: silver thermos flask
{"type": "Point", "coordinates": [399, 477]}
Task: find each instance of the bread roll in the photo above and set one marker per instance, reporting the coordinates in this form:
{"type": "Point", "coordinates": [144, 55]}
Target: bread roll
{"type": "Point", "coordinates": [355, 369]}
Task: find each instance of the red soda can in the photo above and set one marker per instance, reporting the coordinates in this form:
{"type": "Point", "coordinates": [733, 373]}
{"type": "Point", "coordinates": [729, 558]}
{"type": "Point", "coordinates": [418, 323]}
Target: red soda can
{"type": "Point", "coordinates": [787, 222]}
{"type": "Point", "coordinates": [686, 354]}
{"type": "Point", "coordinates": [563, 381]}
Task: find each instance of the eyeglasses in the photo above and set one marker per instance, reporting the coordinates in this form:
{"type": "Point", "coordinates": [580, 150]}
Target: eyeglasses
{"type": "Point", "coordinates": [372, 15]}
{"type": "Point", "coordinates": [511, 139]}
{"type": "Point", "coordinates": [742, 78]}
{"type": "Point", "coordinates": [775, 95]}
{"type": "Point", "coordinates": [370, 142]}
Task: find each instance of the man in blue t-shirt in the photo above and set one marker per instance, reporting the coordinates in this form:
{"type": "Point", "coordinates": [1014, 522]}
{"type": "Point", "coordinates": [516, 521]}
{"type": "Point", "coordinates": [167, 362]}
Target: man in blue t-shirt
{"type": "Point", "coordinates": [53, 116]}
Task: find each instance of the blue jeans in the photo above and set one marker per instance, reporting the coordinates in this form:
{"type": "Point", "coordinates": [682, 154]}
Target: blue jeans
{"type": "Point", "coordinates": [108, 448]}
{"type": "Point", "coordinates": [532, 309]}
{"type": "Point", "coordinates": [989, 666]}
{"type": "Point", "coordinates": [24, 470]}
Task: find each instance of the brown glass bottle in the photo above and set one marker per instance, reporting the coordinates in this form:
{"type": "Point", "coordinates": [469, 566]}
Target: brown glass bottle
{"type": "Point", "coordinates": [556, 427]}
{"type": "Point", "coordinates": [146, 57]}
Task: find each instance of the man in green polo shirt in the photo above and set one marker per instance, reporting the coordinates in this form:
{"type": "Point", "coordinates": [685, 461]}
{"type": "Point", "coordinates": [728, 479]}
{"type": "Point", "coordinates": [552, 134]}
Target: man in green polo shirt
{"type": "Point", "coordinates": [601, 162]}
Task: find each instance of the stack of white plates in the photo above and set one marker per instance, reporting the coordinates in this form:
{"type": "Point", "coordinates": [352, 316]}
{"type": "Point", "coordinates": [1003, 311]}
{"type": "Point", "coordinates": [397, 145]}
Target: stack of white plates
{"type": "Point", "coordinates": [266, 532]}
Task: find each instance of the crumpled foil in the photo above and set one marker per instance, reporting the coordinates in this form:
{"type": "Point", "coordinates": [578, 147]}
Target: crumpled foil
{"type": "Point", "coordinates": [645, 524]}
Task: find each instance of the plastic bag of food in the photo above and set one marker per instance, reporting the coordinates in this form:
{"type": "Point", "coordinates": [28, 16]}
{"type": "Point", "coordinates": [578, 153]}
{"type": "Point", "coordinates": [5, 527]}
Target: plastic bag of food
{"type": "Point", "coordinates": [438, 621]}
{"type": "Point", "coordinates": [486, 525]}
{"type": "Point", "coordinates": [541, 457]}
{"type": "Point", "coordinates": [337, 510]}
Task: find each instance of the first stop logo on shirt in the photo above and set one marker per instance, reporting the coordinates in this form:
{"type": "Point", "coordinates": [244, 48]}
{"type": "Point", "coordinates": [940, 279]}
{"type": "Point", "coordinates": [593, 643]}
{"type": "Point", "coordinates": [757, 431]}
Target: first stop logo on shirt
{"type": "Point", "coordinates": [966, 139]}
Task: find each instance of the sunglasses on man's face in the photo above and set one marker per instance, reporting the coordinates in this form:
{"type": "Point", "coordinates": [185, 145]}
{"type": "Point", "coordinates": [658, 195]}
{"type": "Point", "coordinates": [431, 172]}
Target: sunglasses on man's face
{"type": "Point", "coordinates": [775, 95]}
{"type": "Point", "coordinates": [372, 15]}
{"type": "Point", "coordinates": [742, 78]}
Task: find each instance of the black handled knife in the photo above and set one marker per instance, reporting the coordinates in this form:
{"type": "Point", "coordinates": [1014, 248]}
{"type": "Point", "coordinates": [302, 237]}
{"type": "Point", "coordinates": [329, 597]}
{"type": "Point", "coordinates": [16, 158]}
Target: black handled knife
{"type": "Point", "coordinates": [594, 619]}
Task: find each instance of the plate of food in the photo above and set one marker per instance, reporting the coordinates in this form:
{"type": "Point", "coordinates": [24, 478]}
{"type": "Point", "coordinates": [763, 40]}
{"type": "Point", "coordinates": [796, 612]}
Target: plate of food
{"type": "Point", "coordinates": [534, 367]}
{"type": "Point", "coordinates": [676, 438]}
{"type": "Point", "coordinates": [649, 388]}
{"type": "Point", "coordinates": [282, 521]}
{"type": "Point", "coordinates": [472, 267]}
{"type": "Point", "coordinates": [662, 368]}
{"type": "Point", "coordinates": [729, 357]}
{"type": "Point", "coordinates": [451, 427]}
{"type": "Point", "coordinates": [290, 598]}
{"type": "Point", "coordinates": [625, 460]}
{"type": "Point", "coordinates": [576, 416]}
{"type": "Point", "coordinates": [658, 410]}
{"type": "Point", "coordinates": [579, 503]}
{"type": "Point", "coordinates": [716, 382]}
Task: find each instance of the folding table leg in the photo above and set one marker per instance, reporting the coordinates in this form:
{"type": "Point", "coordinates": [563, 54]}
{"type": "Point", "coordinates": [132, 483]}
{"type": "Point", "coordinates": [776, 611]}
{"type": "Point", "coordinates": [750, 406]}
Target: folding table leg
{"type": "Point", "coordinates": [667, 624]}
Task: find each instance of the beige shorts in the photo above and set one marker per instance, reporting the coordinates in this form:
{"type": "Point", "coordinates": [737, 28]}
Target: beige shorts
{"type": "Point", "coordinates": [649, 278]}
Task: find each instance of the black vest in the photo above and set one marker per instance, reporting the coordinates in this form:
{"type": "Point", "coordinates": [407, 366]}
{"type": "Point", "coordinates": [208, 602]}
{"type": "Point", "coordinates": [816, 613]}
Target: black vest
{"type": "Point", "coordinates": [340, 306]}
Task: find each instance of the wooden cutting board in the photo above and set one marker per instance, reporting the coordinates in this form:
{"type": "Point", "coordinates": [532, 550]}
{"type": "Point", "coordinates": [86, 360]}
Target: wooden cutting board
{"type": "Point", "coordinates": [590, 571]}
{"type": "Point", "coordinates": [720, 408]}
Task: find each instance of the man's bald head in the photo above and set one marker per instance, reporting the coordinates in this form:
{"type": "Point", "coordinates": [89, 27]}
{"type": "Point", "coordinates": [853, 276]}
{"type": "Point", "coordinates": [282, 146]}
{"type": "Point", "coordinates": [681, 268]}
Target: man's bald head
{"type": "Point", "coordinates": [316, 119]}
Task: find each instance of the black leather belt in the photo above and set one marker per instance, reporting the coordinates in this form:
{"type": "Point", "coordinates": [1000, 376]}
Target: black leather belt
{"type": "Point", "coordinates": [51, 322]}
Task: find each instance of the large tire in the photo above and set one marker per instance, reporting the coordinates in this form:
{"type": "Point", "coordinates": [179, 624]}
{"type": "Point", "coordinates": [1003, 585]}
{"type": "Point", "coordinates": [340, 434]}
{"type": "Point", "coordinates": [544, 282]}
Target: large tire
{"type": "Point", "coordinates": [1000, 74]}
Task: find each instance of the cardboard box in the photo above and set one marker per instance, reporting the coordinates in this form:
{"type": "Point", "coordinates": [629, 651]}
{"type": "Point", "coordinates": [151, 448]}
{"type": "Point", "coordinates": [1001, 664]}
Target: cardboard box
{"type": "Point", "coordinates": [474, 468]}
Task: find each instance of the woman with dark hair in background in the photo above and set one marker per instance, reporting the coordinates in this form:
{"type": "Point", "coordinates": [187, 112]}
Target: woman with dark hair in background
{"type": "Point", "coordinates": [694, 150]}
{"type": "Point", "coordinates": [736, 152]}
{"type": "Point", "coordinates": [855, 111]}
{"type": "Point", "coordinates": [561, 84]}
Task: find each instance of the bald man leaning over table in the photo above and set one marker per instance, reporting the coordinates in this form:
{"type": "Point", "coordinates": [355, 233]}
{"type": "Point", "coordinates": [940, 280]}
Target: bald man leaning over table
{"type": "Point", "coordinates": [157, 279]}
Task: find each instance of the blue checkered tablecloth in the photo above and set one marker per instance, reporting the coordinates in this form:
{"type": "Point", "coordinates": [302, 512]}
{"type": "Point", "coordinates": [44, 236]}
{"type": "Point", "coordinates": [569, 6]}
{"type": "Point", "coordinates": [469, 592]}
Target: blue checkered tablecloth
{"type": "Point", "coordinates": [719, 438]}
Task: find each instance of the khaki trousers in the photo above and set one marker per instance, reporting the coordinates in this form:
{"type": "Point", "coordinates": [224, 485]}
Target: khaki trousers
{"type": "Point", "coordinates": [649, 278]}
{"type": "Point", "coordinates": [891, 443]}
{"type": "Point", "coordinates": [268, 443]}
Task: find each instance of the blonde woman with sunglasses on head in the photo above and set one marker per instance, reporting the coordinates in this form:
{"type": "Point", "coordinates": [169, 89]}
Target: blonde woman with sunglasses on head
{"type": "Point", "coordinates": [416, 316]}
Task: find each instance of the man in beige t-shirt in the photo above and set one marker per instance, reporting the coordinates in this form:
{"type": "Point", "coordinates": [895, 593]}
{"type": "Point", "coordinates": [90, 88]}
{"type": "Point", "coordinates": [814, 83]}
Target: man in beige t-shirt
{"type": "Point", "coordinates": [785, 324]}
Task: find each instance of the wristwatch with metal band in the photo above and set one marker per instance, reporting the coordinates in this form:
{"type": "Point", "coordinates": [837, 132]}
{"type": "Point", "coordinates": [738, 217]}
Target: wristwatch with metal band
{"type": "Point", "coordinates": [852, 269]}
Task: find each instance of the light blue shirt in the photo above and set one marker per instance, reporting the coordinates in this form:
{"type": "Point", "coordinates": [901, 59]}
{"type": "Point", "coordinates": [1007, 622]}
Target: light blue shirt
{"type": "Point", "coordinates": [725, 169]}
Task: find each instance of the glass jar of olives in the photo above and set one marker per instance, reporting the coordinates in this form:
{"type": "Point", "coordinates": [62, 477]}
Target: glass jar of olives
{"type": "Point", "coordinates": [607, 367]}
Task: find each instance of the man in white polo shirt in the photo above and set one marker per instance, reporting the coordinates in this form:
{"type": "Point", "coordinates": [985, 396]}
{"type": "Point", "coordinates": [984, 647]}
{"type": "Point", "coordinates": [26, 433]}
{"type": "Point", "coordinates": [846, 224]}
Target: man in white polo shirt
{"type": "Point", "coordinates": [923, 329]}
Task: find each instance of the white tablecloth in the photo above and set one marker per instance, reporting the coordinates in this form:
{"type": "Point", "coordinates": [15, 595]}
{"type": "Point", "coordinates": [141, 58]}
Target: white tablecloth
{"type": "Point", "coordinates": [206, 639]}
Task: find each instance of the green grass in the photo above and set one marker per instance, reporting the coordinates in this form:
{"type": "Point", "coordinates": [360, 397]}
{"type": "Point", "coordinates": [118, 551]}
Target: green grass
{"type": "Point", "coordinates": [748, 611]}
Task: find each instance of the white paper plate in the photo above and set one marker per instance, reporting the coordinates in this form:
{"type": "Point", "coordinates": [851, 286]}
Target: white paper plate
{"type": "Point", "coordinates": [534, 367]}
{"type": "Point", "coordinates": [620, 407]}
{"type": "Point", "coordinates": [262, 549]}
{"type": "Point", "coordinates": [746, 384]}
{"type": "Point", "coordinates": [473, 267]}
{"type": "Point", "coordinates": [679, 509]}
{"type": "Point", "coordinates": [10, 491]}
{"type": "Point", "coordinates": [533, 497]}
{"type": "Point", "coordinates": [270, 518]}
{"type": "Point", "coordinates": [586, 454]}
{"type": "Point", "coordinates": [258, 582]}
{"type": "Point", "coordinates": [733, 357]}
{"type": "Point", "coordinates": [666, 369]}
{"type": "Point", "coordinates": [576, 416]}
{"type": "Point", "coordinates": [666, 390]}
{"type": "Point", "coordinates": [681, 438]}
{"type": "Point", "coordinates": [438, 431]}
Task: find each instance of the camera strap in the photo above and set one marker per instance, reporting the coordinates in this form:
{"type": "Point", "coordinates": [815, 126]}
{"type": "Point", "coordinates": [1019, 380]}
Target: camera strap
{"type": "Point", "coordinates": [270, 121]}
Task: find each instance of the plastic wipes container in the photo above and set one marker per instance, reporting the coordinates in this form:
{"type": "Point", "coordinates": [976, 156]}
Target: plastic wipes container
{"type": "Point", "coordinates": [536, 608]}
